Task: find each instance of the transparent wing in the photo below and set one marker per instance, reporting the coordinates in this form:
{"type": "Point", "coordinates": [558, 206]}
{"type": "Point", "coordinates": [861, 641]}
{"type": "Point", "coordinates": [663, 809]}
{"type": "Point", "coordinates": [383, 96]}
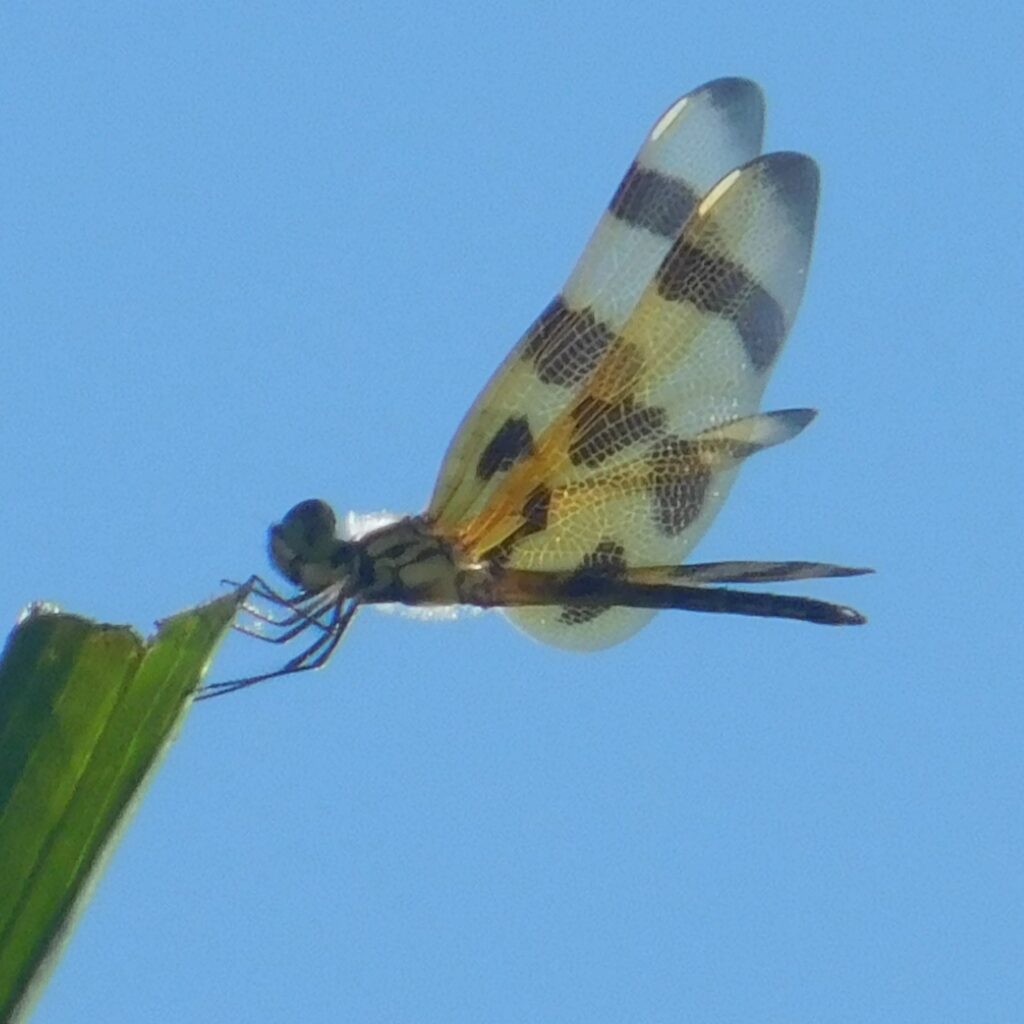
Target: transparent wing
{"type": "Point", "coordinates": [698, 139]}
{"type": "Point", "coordinates": [686, 370]}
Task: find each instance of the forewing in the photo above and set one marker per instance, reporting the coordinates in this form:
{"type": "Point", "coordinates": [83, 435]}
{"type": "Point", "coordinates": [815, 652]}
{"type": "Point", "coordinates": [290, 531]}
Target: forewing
{"type": "Point", "coordinates": [692, 359]}
{"type": "Point", "coordinates": [700, 138]}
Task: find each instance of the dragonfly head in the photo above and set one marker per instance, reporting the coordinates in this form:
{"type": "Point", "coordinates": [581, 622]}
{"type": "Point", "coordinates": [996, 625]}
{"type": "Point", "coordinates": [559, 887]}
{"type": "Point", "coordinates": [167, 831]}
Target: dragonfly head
{"type": "Point", "coordinates": [305, 548]}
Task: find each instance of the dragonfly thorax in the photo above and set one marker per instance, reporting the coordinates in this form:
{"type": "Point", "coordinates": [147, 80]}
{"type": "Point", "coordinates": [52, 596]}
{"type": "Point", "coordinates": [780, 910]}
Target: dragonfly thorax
{"type": "Point", "coordinates": [403, 561]}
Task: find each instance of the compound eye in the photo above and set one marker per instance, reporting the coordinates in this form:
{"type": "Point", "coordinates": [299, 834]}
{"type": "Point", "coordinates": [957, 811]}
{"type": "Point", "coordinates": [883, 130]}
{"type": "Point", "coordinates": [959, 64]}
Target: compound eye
{"type": "Point", "coordinates": [303, 543]}
{"type": "Point", "coordinates": [310, 523]}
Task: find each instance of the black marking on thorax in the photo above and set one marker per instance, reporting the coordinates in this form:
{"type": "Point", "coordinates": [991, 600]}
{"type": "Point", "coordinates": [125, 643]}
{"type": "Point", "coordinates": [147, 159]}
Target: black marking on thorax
{"type": "Point", "coordinates": [407, 562]}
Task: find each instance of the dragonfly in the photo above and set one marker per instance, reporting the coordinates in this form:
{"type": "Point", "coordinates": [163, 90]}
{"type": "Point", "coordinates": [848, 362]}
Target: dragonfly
{"type": "Point", "coordinates": [605, 444]}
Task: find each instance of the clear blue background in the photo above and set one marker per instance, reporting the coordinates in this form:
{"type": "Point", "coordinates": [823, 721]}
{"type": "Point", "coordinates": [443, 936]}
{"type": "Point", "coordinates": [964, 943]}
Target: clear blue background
{"type": "Point", "coordinates": [254, 253]}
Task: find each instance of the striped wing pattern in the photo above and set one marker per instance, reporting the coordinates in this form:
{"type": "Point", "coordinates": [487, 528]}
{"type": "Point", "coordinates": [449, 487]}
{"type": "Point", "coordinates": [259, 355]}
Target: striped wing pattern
{"type": "Point", "coordinates": [692, 145]}
{"type": "Point", "coordinates": [612, 433]}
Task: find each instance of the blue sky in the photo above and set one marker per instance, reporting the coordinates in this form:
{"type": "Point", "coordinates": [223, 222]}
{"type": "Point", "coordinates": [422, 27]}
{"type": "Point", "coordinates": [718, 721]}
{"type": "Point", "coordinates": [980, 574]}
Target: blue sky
{"type": "Point", "coordinates": [251, 254]}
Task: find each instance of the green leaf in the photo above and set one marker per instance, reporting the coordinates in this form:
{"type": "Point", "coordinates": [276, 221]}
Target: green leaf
{"type": "Point", "coordinates": [86, 711]}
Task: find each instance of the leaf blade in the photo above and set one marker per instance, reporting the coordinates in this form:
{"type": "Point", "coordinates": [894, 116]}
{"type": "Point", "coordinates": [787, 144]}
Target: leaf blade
{"type": "Point", "coordinates": [86, 712]}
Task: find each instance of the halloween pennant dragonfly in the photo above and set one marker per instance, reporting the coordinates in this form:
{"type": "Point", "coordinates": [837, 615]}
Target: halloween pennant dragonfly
{"type": "Point", "coordinates": [606, 442]}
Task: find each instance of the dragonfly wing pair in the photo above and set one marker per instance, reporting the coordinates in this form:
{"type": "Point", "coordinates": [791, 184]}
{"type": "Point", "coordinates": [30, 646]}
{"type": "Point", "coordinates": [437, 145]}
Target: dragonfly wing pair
{"type": "Point", "coordinates": [610, 436]}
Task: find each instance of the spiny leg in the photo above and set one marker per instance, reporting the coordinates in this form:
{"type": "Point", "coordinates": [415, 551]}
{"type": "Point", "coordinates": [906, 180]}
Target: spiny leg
{"type": "Point", "coordinates": [292, 625]}
{"type": "Point", "coordinates": [313, 657]}
{"type": "Point", "coordinates": [306, 610]}
{"type": "Point", "coordinates": [305, 605]}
